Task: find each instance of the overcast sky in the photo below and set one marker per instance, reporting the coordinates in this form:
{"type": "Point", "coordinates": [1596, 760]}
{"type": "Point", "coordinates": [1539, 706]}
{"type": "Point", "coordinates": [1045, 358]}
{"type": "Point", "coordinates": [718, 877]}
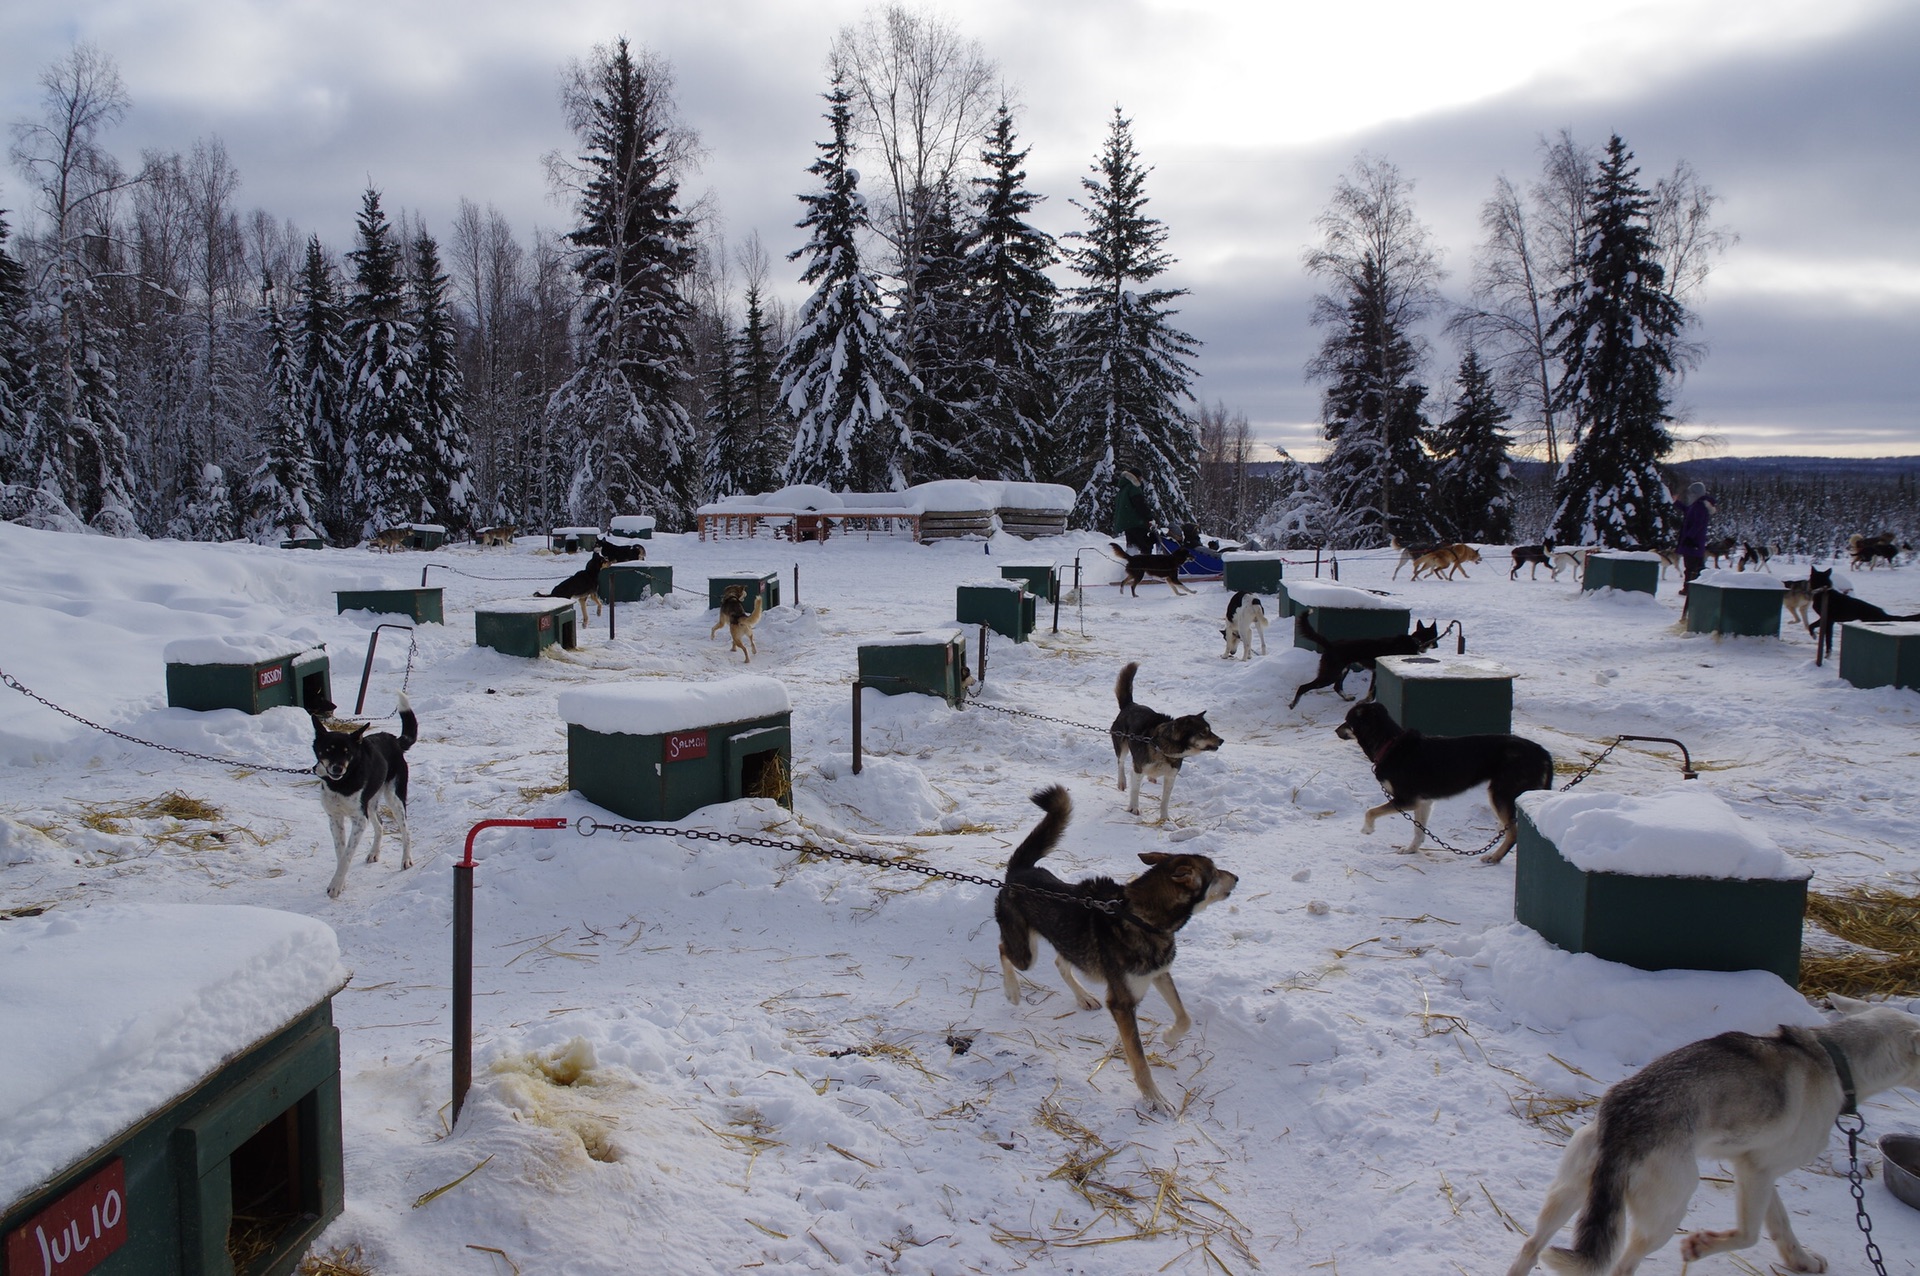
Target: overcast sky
{"type": "Point", "coordinates": [1803, 115]}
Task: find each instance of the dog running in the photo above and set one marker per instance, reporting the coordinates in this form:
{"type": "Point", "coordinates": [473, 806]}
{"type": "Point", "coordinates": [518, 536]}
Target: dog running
{"type": "Point", "coordinates": [1340, 656]}
{"type": "Point", "coordinates": [390, 540]}
{"type": "Point", "coordinates": [1157, 566]}
{"type": "Point", "coordinates": [1534, 557]}
{"type": "Point", "coordinates": [1154, 742]}
{"type": "Point", "coordinates": [360, 776]}
{"type": "Point", "coordinates": [1410, 553]}
{"type": "Point", "coordinates": [1128, 950]}
{"type": "Point", "coordinates": [1416, 770]}
{"type": "Point", "coordinates": [496, 536]}
{"type": "Point", "coordinates": [739, 621]}
{"type": "Point", "coordinates": [582, 585]}
{"type": "Point", "coordinates": [1870, 551]}
{"type": "Point", "coordinates": [1246, 616]}
{"type": "Point", "coordinates": [1762, 1105]}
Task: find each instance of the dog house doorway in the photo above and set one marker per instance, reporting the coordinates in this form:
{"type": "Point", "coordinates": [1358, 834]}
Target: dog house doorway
{"type": "Point", "coordinates": [275, 1190]}
{"type": "Point", "coordinates": [760, 765]}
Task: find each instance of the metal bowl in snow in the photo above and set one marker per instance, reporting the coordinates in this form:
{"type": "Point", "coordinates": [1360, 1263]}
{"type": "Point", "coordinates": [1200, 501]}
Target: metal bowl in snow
{"type": "Point", "coordinates": [1900, 1157]}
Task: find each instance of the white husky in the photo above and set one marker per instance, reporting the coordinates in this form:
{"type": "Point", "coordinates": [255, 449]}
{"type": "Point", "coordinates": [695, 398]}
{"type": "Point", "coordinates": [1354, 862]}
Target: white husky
{"type": "Point", "coordinates": [1763, 1105]}
{"type": "Point", "coordinates": [1246, 616]}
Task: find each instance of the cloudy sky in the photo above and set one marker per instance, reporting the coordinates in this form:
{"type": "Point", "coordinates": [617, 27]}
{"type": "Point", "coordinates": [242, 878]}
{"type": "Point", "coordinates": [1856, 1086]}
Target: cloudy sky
{"type": "Point", "coordinates": [1802, 115]}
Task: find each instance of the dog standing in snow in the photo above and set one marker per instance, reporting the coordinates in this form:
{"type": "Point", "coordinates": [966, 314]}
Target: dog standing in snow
{"type": "Point", "coordinates": [1246, 616]}
{"type": "Point", "coordinates": [361, 775]}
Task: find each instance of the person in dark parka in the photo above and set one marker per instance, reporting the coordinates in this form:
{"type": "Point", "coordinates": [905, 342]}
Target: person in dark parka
{"type": "Point", "coordinates": [1696, 511]}
{"type": "Point", "coordinates": [1132, 519]}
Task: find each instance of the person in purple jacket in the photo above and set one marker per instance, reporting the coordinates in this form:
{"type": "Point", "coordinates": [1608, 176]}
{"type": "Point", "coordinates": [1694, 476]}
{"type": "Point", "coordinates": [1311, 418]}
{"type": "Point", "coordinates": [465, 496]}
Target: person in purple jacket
{"type": "Point", "coordinates": [1696, 510]}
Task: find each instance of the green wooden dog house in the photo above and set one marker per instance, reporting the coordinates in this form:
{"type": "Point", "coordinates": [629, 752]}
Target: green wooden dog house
{"type": "Point", "coordinates": [1041, 579]}
{"type": "Point", "coordinates": [1445, 695]}
{"type": "Point", "coordinates": [1634, 571]}
{"type": "Point", "coordinates": [1881, 653]}
{"type": "Point", "coordinates": [1342, 611]}
{"type": "Point", "coordinates": [248, 672]}
{"type": "Point", "coordinates": [526, 626]}
{"type": "Point", "coordinates": [660, 750]}
{"type": "Point", "coordinates": [303, 542]}
{"type": "Point", "coordinates": [930, 662]}
{"type": "Point", "coordinates": [573, 540]}
{"type": "Point", "coordinates": [637, 527]}
{"type": "Point", "coordinates": [763, 585]}
{"type": "Point", "coordinates": [425, 536]}
{"type": "Point", "coordinates": [1669, 881]}
{"type": "Point", "coordinates": [1747, 604]}
{"type": "Point", "coordinates": [218, 1155]}
{"type": "Point", "coordinates": [631, 582]}
{"type": "Point", "coordinates": [424, 605]}
{"type": "Point", "coordinates": [1253, 572]}
{"type": "Point", "coordinates": [1003, 606]}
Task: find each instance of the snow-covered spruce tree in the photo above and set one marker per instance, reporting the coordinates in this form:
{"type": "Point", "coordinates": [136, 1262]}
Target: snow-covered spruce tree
{"type": "Point", "coordinates": [1378, 476]}
{"type": "Point", "coordinates": [16, 371]}
{"type": "Point", "coordinates": [728, 443]}
{"type": "Point", "coordinates": [280, 491]}
{"type": "Point", "coordinates": [633, 446]}
{"type": "Point", "coordinates": [934, 344]}
{"type": "Point", "coordinates": [1010, 341]}
{"type": "Point", "coordinates": [1471, 449]}
{"type": "Point", "coordinates": [840, 376]}
{"type": "Point", "coordinates": [1123, 365]}
{"type": "Point", "coordinates": [386, 446]}
{"type": "Point", "coordinates": [765, 426]}
{"type": "Point", "coordinates": [1619, 333]}
{"type": "Point", "coordinates": [317, 329]}
{"type": "Point", "coordinates": [443, 415]}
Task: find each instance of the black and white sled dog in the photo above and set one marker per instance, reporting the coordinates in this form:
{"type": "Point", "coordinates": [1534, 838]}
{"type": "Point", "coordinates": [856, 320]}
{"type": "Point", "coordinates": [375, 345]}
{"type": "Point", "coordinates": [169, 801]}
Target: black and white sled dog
{"type": "Point", "coordinates": [1128, 951]}
{"type": "Point", "coordinates": [361, 775]}
{"type": "Point", "coordinates": [1154, 742]}
{"type": "Point", "coordinates": [1417, 769]}
{"type": "Point", "coordinates": [1762, 1105]}
{"type": "Point", "coordinates": [1246, 616]}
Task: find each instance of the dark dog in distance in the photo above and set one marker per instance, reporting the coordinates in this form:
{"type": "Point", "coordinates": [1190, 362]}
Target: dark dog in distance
{"type": "Point", "coordinates": [1870, 551]}
{"type": "Point", "coordinates": [1157, 566]}
{"type": "Point", "coordinates": [360, 776]}
{"type": "Point", "coordinates": [1128, 950]}
{"type": "Point", "coordinates": [1338, 658]}
{"type": "Point", "coordinates": [1416, 770]}
{"type": "Point", "coordinates": [1154, 742]}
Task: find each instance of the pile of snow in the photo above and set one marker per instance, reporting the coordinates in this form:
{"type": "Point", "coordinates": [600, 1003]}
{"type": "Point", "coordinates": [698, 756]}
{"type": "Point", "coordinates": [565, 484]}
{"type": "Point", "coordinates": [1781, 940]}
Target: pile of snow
{"type": "Point", "coordinates": [111, 1012]}
{"type": "Point", "coordinates": [656, 706]}
{"type": "Point", "coordinates": [1321, 593]}
{"type": "Point", "coordinates": [1728, 578]}
{"type": "Point", "coordinates": [1680, 833]}
{"type": "Point", "coordinates": [232, 649]}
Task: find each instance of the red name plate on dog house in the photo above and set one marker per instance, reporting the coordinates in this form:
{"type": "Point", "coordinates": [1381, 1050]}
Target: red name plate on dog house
{"type": "Point", "coordinates": [271, 677]}
{"type": "Point", "coordinates": [76, 1233]}
{"type": "Point", "coordinates": [687, 746]}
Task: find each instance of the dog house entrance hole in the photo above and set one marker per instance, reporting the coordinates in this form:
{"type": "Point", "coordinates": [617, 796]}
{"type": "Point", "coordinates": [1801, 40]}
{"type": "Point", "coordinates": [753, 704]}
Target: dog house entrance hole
{"type": "Point", "coordinates": [763, 776]}
{"type": "Point", "coordinates": [272, 1185]}
{"type": "Point", "coordinates": [313, 691]}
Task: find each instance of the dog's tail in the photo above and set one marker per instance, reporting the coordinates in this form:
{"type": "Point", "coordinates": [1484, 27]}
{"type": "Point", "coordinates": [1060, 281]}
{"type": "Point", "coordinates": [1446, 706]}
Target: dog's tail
{"type": "Point", "coordinates": [1046, 834]}
{"type": "Point", "coordinates": [1116, 547]}
{"type": "Point", "coordinates": [759, 609]}
{"type": "Point", "coordinates": [1123, 685]}
{"type": "Point", "coordinates": [409, 725]}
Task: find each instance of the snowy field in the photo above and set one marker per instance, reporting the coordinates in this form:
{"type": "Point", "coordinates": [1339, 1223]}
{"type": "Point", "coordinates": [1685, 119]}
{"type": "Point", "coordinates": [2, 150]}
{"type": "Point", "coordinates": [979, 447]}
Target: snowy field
{"type": "Point", "coordinates": [700, 1058]}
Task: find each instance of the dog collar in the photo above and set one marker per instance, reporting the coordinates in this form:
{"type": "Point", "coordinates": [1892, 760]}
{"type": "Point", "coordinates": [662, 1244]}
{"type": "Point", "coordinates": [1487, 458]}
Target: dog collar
{"type": "Point", "coordinates": [1385, 749]}
{"type": "Point", "coordinates": [1852, 1104]}
{"type": "Point", "coordinates": [1128, 915]}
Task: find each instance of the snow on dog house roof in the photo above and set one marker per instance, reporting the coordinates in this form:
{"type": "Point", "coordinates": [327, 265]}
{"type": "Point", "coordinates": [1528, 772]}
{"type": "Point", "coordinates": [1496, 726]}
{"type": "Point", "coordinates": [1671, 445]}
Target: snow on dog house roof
{"type": "Point", "coordinates": [1679, 833]}
{"type": "Point", "coordinates": [232, 649]}
{"type": "Point", "coordinates": [1727, 578]}
{"type": "Point", "coordinates": [113, 1011]}
{"type": "Point", "coordinates": [631, 523]}
{"type": "Point", "coordinates": [1321, 593]}
{"type": "Point", "coordinates": [656, 707]}
{"type": "Point", "coordinates": [911, 638]}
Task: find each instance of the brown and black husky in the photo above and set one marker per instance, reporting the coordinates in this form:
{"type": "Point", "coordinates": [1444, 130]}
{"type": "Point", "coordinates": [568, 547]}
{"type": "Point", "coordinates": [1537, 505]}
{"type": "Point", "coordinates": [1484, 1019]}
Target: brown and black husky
{"type": "Point", "coordinates": [1128, 950]}
{"type": "Point", "coordinates": [1159, 566]}
{"type": "Point", "coordinates": [1154, 742]}
{"type": "Point", "coordinates": [1831, 607]}
{"type": "Point", "coordinates": [1339, 656]}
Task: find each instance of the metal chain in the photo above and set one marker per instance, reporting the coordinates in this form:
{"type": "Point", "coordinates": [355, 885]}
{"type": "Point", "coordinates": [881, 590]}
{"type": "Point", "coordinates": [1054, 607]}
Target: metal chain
{"type": "Point", "coordinates": [1440, 842]}
{"type": "Point", "coordinates": [587, 826]}
{"type": "Point", "coordinates": [11, 681]}
{"type": "Point", "coordinates": [1855, 1184]}
{"type": "Point", "coordinates": [1065, 722]}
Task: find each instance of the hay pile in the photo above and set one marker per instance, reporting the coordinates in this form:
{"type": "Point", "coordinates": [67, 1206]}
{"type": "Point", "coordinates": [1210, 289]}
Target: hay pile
{"type": "Point", "coordinates": [1881, 955]}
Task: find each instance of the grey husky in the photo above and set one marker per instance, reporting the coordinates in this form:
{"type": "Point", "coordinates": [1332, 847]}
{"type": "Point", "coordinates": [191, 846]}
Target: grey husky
{"type": "Point", "coordinates": [1155, 743]}
{"type": "Point", "coordinates": [1763, 1105]}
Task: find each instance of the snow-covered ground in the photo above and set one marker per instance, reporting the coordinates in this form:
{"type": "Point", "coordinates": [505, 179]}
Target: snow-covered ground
{"type": "Point", "coordinates": [696, 1057]}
